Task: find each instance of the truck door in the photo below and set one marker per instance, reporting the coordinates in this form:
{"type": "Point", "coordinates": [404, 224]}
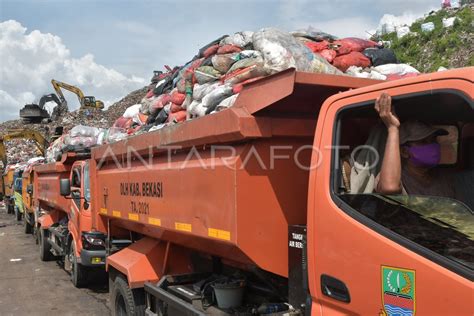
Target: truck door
{"type": "Point", "coordinates": [374, 254]}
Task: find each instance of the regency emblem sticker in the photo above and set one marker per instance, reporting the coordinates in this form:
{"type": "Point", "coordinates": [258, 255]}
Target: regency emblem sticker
{"type": "Point", "coordinates": [398, 291]}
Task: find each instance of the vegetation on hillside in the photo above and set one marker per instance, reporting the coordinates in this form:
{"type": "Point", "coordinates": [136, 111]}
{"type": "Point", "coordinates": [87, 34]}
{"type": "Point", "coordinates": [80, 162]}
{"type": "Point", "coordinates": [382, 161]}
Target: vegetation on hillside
{"type": "Point", "coordinates": [450, 47]}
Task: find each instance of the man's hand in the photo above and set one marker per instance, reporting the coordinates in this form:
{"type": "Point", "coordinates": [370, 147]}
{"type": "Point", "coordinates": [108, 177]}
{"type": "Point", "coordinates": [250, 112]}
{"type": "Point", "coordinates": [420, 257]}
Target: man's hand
{"type": "Point", "coordinates": [383, 106]}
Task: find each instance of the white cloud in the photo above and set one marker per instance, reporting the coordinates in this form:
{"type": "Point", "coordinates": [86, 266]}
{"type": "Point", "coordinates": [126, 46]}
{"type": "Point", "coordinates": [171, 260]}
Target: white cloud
{"type": "Point", "coordinates": [31, 60]}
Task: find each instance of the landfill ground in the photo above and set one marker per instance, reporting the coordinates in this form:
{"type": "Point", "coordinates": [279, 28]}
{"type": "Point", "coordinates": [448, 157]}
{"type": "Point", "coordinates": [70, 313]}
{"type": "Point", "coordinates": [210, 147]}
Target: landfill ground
{"type": "Point", "coordinates": [29, 286]}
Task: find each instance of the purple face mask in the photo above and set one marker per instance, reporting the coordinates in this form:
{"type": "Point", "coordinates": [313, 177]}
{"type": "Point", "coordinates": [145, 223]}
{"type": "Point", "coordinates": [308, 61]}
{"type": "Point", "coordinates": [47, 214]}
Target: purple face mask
{"type": "Point", "coordinates": [426, 156]}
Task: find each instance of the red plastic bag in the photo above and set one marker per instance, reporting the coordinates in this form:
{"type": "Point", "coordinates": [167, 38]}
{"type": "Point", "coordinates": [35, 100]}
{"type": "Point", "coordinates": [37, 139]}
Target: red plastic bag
{"type": "Point", "coordinates": [177, 98]}
{"type": "Point", "coordinates": [352, 59]}
{"type": "Point", "coordinates": [353, 44]}
{"type": "Point", "coordinates": [211, 50]}
{"type": "Point", "coordinates": [179, 116]}
{"type": "Point", "coordinates": [317, 47]}
{"type": "Point", "coordinates": [160, 102]}
{"type": "Point", "coordinates": [175, 108]}
{"type": "Point", "coordinates": [238, 87]}
{"type": "Point", "coordinates": [328, 54]}
{"type": "Point", "coordinates": [123, 122]}
{"type": "Point", "coordinates": [229, 48]}
{"type": "Point", "coordinates": [149, 94]}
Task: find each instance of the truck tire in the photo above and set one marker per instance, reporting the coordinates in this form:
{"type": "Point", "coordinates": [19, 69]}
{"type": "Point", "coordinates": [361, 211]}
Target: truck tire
{"type": "Point", "coordinates": [126, 301]}
{"type": "Point", "coordinates": [44, 246]}
{"type": "Point", "coordinates": [28, 227]}
{"type": "Point", "coordinates": [78, 271]}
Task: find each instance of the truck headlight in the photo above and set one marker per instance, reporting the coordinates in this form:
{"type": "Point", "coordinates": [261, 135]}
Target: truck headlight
{"type": "Point", "coordinates": [93, 241]}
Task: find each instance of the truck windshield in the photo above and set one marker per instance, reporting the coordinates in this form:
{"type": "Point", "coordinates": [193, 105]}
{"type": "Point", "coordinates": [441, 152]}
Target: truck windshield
{"type": "Point", "coordinates": [87, 186]}
{"type": "Point", "coordinates": [443, 225]}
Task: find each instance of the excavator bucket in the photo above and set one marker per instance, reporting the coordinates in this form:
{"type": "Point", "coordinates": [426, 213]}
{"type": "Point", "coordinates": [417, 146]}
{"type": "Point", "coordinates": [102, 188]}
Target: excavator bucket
{"type": "Point", "coordinates": [33, 113]}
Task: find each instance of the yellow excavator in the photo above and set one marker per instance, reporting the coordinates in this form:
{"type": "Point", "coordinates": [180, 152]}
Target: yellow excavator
{"type": "Point", "coordinates": [40, 142]}
{"type": "Point", "coordinates": [85, 101]}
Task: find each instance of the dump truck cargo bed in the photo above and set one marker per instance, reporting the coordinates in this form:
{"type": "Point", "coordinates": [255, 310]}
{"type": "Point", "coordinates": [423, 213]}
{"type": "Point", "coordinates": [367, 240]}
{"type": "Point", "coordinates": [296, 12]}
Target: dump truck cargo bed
{"type": "Point", "coordinates": [227, 184]}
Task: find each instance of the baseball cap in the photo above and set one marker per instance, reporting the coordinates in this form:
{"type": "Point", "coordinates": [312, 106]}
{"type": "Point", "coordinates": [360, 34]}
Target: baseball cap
{"type": "Point", "coordinates": [412, 131]}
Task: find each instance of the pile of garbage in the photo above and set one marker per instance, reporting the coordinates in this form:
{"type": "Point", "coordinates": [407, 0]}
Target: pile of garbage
{"type": "Point", "coordinates": [211, 80]}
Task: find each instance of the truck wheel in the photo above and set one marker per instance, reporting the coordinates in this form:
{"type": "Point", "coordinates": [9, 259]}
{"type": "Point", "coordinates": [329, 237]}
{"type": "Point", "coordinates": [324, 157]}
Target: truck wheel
{"type": "Point", "coordinates": [125, 301]}
{"type": "Point", "coordinates": [78, 271]}
{"type": "Point", "coordinates": [27, 225]}
{"type": "Point", "coordinates": [45, 247]}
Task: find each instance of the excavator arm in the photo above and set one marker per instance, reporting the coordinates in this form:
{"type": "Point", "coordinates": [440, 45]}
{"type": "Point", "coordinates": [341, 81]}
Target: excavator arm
{"type": "Point", "coordinates": [57, 85]}
{"type": "Point", "coordinates": [40, 142]}
{"type": "Point", "coordinates": [84, 101]}
{"type": "Point", "coordinates": [48, 97]}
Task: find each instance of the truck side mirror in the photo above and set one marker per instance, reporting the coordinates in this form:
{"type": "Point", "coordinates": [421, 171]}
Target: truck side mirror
{"type": "Point", "coordinates": [29, 188]}
{"type": "Point", "coordinates": [65, 187]}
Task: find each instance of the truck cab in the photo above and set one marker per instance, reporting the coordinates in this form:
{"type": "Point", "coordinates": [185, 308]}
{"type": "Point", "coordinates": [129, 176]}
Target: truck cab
{"type": "Point", "coordinates": [65, 220]}
{"type": "Point", "coordinates": [392, 254]}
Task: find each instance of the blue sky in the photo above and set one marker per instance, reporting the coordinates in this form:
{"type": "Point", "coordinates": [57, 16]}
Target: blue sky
{"type": "Point", "coordinates": [136, 37]}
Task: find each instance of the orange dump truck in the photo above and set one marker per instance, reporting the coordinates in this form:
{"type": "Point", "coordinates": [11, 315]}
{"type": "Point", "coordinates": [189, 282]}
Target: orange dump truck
{"type": "Point", "coordinates": [260, 209]}
{"type": "Point", "coordinates": [63, 224]}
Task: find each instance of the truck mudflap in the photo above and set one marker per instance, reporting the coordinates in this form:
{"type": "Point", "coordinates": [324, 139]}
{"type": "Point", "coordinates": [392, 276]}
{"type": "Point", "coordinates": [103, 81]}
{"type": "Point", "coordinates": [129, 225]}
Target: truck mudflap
{"type": "Point", "coordinates": [147, 260]}
{"type": "Point", "coordinates": [46, 221]}
{"type": "Point", "coordinates": [93, 258]}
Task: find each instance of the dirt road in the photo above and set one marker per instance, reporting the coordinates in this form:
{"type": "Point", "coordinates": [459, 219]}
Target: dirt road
{"type": "Point", "coordinates": [29, 286]}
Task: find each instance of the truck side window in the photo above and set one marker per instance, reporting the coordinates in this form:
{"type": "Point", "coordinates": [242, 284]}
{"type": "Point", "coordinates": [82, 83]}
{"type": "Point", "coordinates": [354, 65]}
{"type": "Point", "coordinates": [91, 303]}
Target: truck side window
{"type": "Point", "coordinates": [439, 227]}
{"type": "Point", "coordinates": [76, 186]}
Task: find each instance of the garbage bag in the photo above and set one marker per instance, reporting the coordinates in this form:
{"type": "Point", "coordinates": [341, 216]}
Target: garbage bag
{"type": "Point", "coordinates": [353, 44]}
{"type": "Point", "coordinates": [175, 108]}
{"type": "Point", "coordinates": [313, 34]}
{"type": "Point", "coordinates": [215, 42]}
{"type": "Point", "coordinates": [159, 103]}
{"type": "Point", "coordinates": [161, 117]}
{"type": "Point", "coordinates": [149, 94]}
{"type": "Point", "coordinates": [164, 85]}
{"type": "Point", "coordinates": [227, 102]}
{"type": "Point", "coordinates": [85, 141]}
{"type": "Point", "coordinates": [246, 62]}
{"type": "Point", "coordinates": [177, 117]}
{"type": "Point", "coordinates": [241, 39]}
{"type": "Point", "coordinates": [212, 99]}
{"type": "Point", "coordinates": [177, 98]}
{"type": "Point", "coordinates": [400, 69]}
{"type": "Point", "coordinates": [359, 72]}
{"type": "Point", "coordinates": [223, 62]}
{"type": "Point", "coordinates": [352, 59]}
{"type": "Point", "coordinates": [321, 65]}
{"type": "Point", "coordinates": [200, 90]}
{"type": "Point", "coordinates": [240, 75]}
{"type": "Point", "coordinates": [427, 27]}
{"type": "Point", "coordinates": [239, 86]}
{"type": "Point", "coordinates": [123, 122]}
{"type": "Point", "coordinates": [402, 31]}
{"type": "Point", "coordinates": [131, 111]}
{"type": "Point", "coordinates": [229, 48]}
{"type": "Point", "coordinates": [317, 47]}
{"type": "Point", "coordinates": [85, 131]}
{"type": "Point", "coordinates": [140, 119]}
{"type": "Point", "coordinates": [115, 134]}
{"type": "Point", "coordinates": [328, 54]}
{"type": "Point", "coordinates": [381, 56]}
{"type": "Point", "coordinates": [205, 74]}
{"type": "Point", "coordinates": [281, 51]}
{"type": "Point", "coordinates": [196, 109]}
{"type": "Point", "coordinates": [211, 50]}
{"type": "Point", "coordinates": [181, 85]}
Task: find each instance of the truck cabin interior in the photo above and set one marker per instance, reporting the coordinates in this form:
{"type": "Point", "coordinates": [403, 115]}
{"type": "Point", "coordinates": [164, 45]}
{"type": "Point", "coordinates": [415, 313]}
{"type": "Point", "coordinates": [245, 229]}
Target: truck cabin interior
{"type": "Point", "coordinates": [442, 225]}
